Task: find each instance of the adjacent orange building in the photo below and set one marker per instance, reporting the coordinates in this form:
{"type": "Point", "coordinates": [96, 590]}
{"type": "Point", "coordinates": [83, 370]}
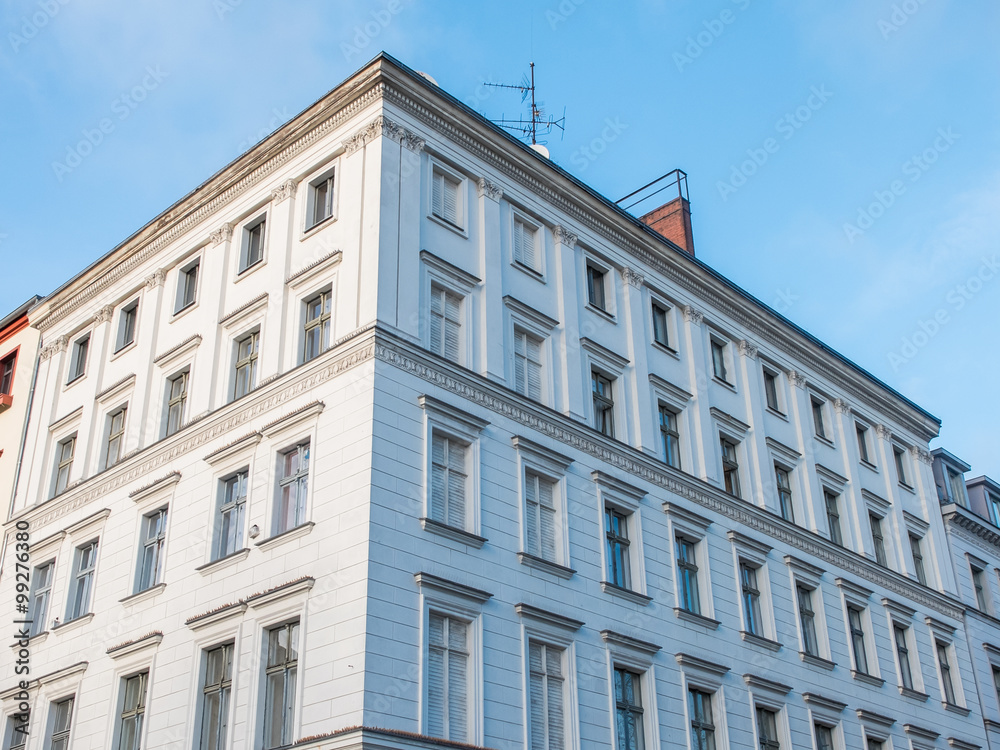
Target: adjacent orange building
{"type": "Point", "coordinates": [18, 355]}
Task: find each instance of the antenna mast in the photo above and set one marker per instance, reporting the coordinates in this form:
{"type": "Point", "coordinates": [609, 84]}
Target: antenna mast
{"type": "Point", "coordinates": [538, 123]}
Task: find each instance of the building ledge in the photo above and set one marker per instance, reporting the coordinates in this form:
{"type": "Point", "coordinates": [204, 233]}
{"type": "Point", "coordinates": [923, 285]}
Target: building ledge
{"type": "Point", "coordinates": [547, 566]}
{"type": "Point", "coordinates": [914, 694]}
{"type": "Point", "coordinates": [223, 562]}
{"type": "Point", "coordinates": [78, 622]}
{"type": "Point", "coordinates": [285, 536]}
{"type": "Point", "coordinates": [758, 640]}
{"type": "Point", "coordinates": [960, 710]}
{"type": "Point", "coordinates": [817, 661]}
{"type": "Point", "coordinates": [867, 678]}
{"type": "Point", "coordinates": [633, 596]}
{"type": "Point", "coordinates": [705, 622]}
{"type": "Point", "coordinates": [139, 596]}
{"type": "Point", "coordinates": [452, 532]}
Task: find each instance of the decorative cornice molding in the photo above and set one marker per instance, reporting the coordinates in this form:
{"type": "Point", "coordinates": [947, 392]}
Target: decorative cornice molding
{"type": "Point", "coordinates": [222, 234]}
{"type": "Point", "coordinates": [380, 126]}
{"type": "Point", "coordinates": [488, 189]}
{"type": "Point", "coordinates": [443, 585]}
{"type": "Point", "coordinates": [633, 277]}
{"type": "Point", "coordinates": [628, 642]}
{"type": "Point", "coordinates": [549, 618]}
{"type": "Point", "coordinates": [258, 301]}
{"type": "Point", "coordinates": [985, 536]}
{"type": "Point", "coordinates": [564, 236]}
{"type": "Point", "coordinates": [747, 349]}
{"type": "Point", "coordinates": [284, 191]}
{"type": "Point", "coordinates": [191, 342]}
{"type": "Point", "coordinates": [692, 315]}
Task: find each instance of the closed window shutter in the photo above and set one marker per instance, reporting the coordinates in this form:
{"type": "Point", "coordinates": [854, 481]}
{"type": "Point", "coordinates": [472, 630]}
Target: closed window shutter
{"type": "Point", "coordinates": [531, 512]}
{"type": "Point", "coordinates": [547, 513]}
{"type": "Point", "coordinates": [456, 484]}
{"type": "Point", "coordinates": [437, 195]}
{"type": "Point", "coordinates": [524, 244]}
{"type": "Point", "coordinates": [546, 697]}
{"type": "Point", "coordinates": [553, 667]}
{"type": "Point", "coordinates": [534, 368]}
{"type": "Point", "coordinates": [450, 192]}
{"type": "Point", "coordinates": [537, 696]}
{"type": "Point", "coordinates": [436, 685]}
{"type": "Point", "coordinates": [452, 326]}
{"type": "Point", "coordinates": [458, 682]}
{"type": "Point", "coordinates": [520, 362]}
{"type": "Point", "coordinates": [439, 478]}
{"type": "Point", "coordinates": [437, 320]}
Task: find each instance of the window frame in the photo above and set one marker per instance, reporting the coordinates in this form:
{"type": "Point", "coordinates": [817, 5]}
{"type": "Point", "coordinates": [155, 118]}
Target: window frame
{"type": "Point", "coordinates": [916, 542]}
{"type": "Point", "coordinates": [301, 480]}
{"type": "Point", "coordinates": [623, 501]}
{"type": "Point", "coordinates": [128, 324]}
{"type": "Point", "coordinates": [809, 578]}
{"type": "Point", "coordinates": [460, 183]}
{"type": "Point", "coordinates": [179, 401]}
{"type": "Point", "coordinates": [116, 437]}
{"type": "Point", "coordinates": [535, 227]}
{"type": "Point", "coordinates": [529, 336]}
{"type": "Point", "coordinates": [834, 514]}
{"type": "Point", "coordinates": [8, 370]}
{"type": "Point", "coordinates": [58, 736]}
{"type": "Point", "coordinates": [329, 181]}
{"type": "Point", "coordinates": [455, 281]}
{"type": "Point", "coordinates": [786, 496]}
{"type": "Point", "coordinates": [902, 472]}
{"type": "Point", "coordinates": [79, 355]}
{"type": "Point", "coordinates": [324, 321]}
{"type": "Point", "coordinates": [602, 404]}
{"type": "Point", "coordinates": [670, 434]}
{"type": "Point", "coordinates": [754, 592]}
{"type": "Point", "coordinates": [658, 307]}
{"type": "Point", "coordinates": [878, 538]}
{"type": "Point", "coordinates": [224, 504]}
{"type": "Point", "coordinates": [771, 374]}
{"type": "Point", "coordinates": [730, 463]}
{"type": "Point", "coordinates": [245, 261]}
{"type": "Point", "coordinates": [187, 286]}
{"type": "Point", "coordinates": [267, 670]}
{"type": "Point", "coordinates": [250, 363]}
{"type": "Point", "coordinates": [44, 590]}
{"type": "Point", "coordinates": [223, 688]}
{"type": "Point", "coordinates": [548, 466]}
{"type": "Point", "coordinates": [692, 528]}
{"type": "Point", "coordinates": [980, 584]}
{"type": "Point", "coordinates": [61, 462]}
{"type": "Point", "coordinates": [596, 286]}
{"type": "Point", "coordinates": [947, 683]}
{"type": "Point", "coordinates": [866, 452]}
{"type": "Point", "coordinates": [152, 547]}
{"type": "Point", "coordinates": [530, 322]}
{"type": "Point", "coordinates": [822, 424]}
{"type": "Point", "coordinates": [137, 714]}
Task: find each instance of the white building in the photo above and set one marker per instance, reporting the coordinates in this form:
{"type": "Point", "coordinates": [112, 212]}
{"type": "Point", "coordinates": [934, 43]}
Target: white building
{"type": "Point", "coordinates": [368, 440]}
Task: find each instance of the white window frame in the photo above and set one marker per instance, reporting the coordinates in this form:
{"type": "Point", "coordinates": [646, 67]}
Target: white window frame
{"type": "Point", "coordinates": [626, 499]}
{"type": "Point", "coordinates": [717, 338]}
{"type": "Point", "coordinates": [159, 544]}
{"type": "Point", "coordinates": [280, 481]}
{"type": "Point", "coordinates": [666, 394]}
{"type": "Point", "coordinates": [919, 530]}
{"type": "Point", "coordinates": [978, 564]}
{"type": "Point", "coordinates": [670, 322]}
{"type": "Point", "coordinates": [898, 614]}
{"type": "Point", "coordinates": [307, 324]}
{"type": "Point", "coordinates": [753, 553]}
{"type": "Point", "coordinates": [880, 508]}
{"type": "Point", "coordinates": [943, 633]}
{"type": "Point", "coordinates": [221, 483]}
{"type": "Point", "coordinates": [551, 466]}
{"type": "Point", "coordinates": [204, 647]}
{"type": "Point", "coordinates": [609, 286]}
{"type": "Point", "coordinates": [183, 274]}
{"type": "Point", "coordinates": [537, 229]}
{"type": "Point", "coordinates": [875, 727]}
{"type": "Point", "coordinates": [185, 373]}
{"type": "Point", "coordinates": [780, 408]}
{"type": "Point", "coordinates": [825, 712]}
{"type": "Point", "coordinates": [329, 172]}
{"type": "Point", "coordinates": [246, 227]}
{"type": "Point", "coordinates": [439, 273]}
{"type": "Point", "coordinates": [624, 652]}
{"type": "Point", "coordinates": [682, 522]}
{"type": "Point", "coordinates": [59, 463]}
{"type": "Point", "coordinates": [808, 576]}
{"type": "Point", "coordinates": [822, 430]}
{"type": "Point", "coordinates": [541, 327]}
{"type": "Point", "coordinates": [107, 435]}
{"type": "Point", "coordinates": [859, 598]}
{"type": "Point", "coordinates": [234, 367]}
{"type": "Point", "coordinates": [707, 677]}
{"type": "Point", "coordinates": [448, 174]}
{"type": "Point", "coordinates": [41, 625]}
{"type": "Point", "coordinates": [899, 458]}
{"type": "Point", "coordinates": [789, 460]}
{"type": "Point", "coordinates": [130, 308]}
{"type": "Point", "coordinates": [611, 366]}
{"type": "Point", "coordinates": [77, 363]}
{"type": "Point", "coordinates": [771, 696]}
{"type": "Point", "coordinates": [863, 430]}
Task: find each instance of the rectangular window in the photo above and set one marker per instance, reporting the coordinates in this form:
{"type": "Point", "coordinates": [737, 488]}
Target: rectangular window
{"type": "Point", "coordinates": [540, 516]}
{"type": "Point", "coordinates": [596, 291]}
{"type": "Point", "coordinates": [245, 375]}
{"type": "Point", "coordinates": [293, 485]}
{"type": "Point", "coordinates": [232, 506]}
{"type": "Point", "coordinates": [154, 536]}
{"type": "Point", "coordinates": [7, 374]}
{"type": "Point", "coordinates": [784, 484]}
{"type": "Point", "coordinates": [833, 517]}
{"type": "Point", "coordinates": [918, 558]}
{"type": "Point", "coordinates": [873, 744]}
{"type": "Point", "coordinates": [546, 697]}
{"type": "Point", "coordinates": [660, 325]}
{"type": "Point", "coordinates": [687, 576]}
{"type": "Point", "coordinates": [730, 468]}
{"type": "Point", "coordinates": [133, 712]}
{"type": "Point", "coordinates": [17, 734]}
{"type": "Point", "coordinates": [448, 678]}
{"type": "Point", "coordinates": [604, 405]}
{"type": "Point", "coordinates": [767, 729]}
{"type": "Point", "coordinates": [41, 590]}
{"type": "Point", "coordinates": [65, 451]}
{"type": "Point", "coordinates": [280, 678]}
{"type": "Point", "coordinates": [628, 710]}
{"type": "Point", "coordinates": [670, 437]}
{"type": "Point", "coordinates": [993, 501]}
{"type": "Point", "coordinates": [902, 656]}
{"type": "Point", "coordinates": [750, 597]}
{"type": "Point", "coordinates": [719, 360]}
{"type": "Point", "coordinates": [824, 737]}
{"type": "Point", "coordinates": [862, 433]}
{"type": "Point", "coordinates": [944, 666]}
{"type": "Point", "coordinates": [446, 198]}
{"type": "Point", "coordinates": [996, 681]}
{"type": "Point", "coordinates": [187, 286]}
{"type": "Point", "coordinates": [320, 200]}
{"type": "Point", "coordinates": [527, 365]}
{"type": "Point", "coordinates": [702, 723]}
{"type": "Point", "coordinates": [78, 359]}
{"type": "Point", "coordinates": [216, 693]}
{"type": "Point", "coordinates": [897, 455]}
{"type": "Point", "coordinates": [446, 323]}
{"type": "Point", "coordinates": [126, 325]}
{"type": "Point", "coordinates": [524, 244]}
{"type": "Point", "coordinates": [878, 540]}
{"type": "Point", "coordinates": [316, 330]}
{"type": "Point", "coordinates": [807, 620]}
{"type": "Point", "coordinates": [116, 437]}
{"type": "Point", "coordinates": [771, 390]}
{"type": "Point", "coordinates": [449, 478]}
{"type": "Point", "coordinates": [979, 584]}
{"type": "Point", "coordinates": [617, 547]}
{"type": "Point", "coordinates": [252, 251]}
{"type": "Point", "coordinates": [819, 420]}
{"type": "Point", "coordinates": [62, 722]}
{"type": "Point", "coordinates": [956, 487]}
{"type": "Point", "coordinates": [176, 399]}
{"type": "Point", "coordinates": [855, 621]}
{"type": "Point", "coordinates": [83, 580]}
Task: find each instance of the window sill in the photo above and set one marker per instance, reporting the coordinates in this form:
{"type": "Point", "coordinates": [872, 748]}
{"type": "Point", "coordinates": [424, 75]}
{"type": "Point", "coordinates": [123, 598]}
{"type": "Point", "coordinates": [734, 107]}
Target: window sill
{"type": "Point", "coordinates": [633, 596]}
{"type": "Point", "coordinates": [724, 383]}
{"type": "Point", "coordinates": [817, 661]}
{"type": "Point", "coordinates": [960, 710]}
{"type": "Point", "coordinates": [223, 562]}
{"type": "Point", "coordinates": [285, 536]}
{"type": "Point", "coordinates": [602, 312]}
{"type": "Point", "coordinates": [79, 621]}
{"type": "Point", "coordinates": [776, 413]}
{"type": "Point", "coordinates": [825, 441]}
{"type": "Point", "coordinates": [869, 465]}
{"type": "Point", "coordinates": [538, 563]}
{"type": "Point", "coordinates": [127, 348]}
{"type": "Point", "coordinates": [74, 381]}
{"type": "Point", "coordinates": [178, 314]}
{"type": "Point", "coordinates": [908, 488]}
{"type": "Point", "coordinates": [459, 230]}
{"type": "Point", "coordinates": [666, 349]}
{"type": "Point", "coordinates": [321, 224]}
{"type": "Point", "coordinates": [140, 596]}
{"type": "Point", "coordinates": [240, 275]}
{"type": "Point", "coordinates": [526, 269]}
{"type": "Point", "coordinates": [706, 622]}
{"type": "Point", "coordinates": [867, 678]}
{"type": "Point", "coordinates": [915, 694]}
{"type": "Point", "coordinates": [759, 640]}
{"type": "Point", "coordinates": [33, 640]}
{"type": "Point", "coordinates": [453, 532]}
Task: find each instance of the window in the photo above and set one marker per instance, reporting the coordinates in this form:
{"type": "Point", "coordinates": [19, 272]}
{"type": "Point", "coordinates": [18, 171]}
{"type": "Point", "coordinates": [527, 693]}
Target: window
{"type": "Point", "coordinates": [862, 433]}
{"type": "Point", "coordinates": [62, 720]}
{"type": "Point", "coordinates": [232, 506]}
{"type": "Point", "coordinates": [993, 501]}
{"type": "Point", "coordinates": [245, 375]}
{"type": "Point", "coordinates": [293, 484]}
{"type": "Point", "coordinates": [82, 582]}
{"type": "Point", "coordinates": [670, 437]}
{"type": "Point", "coordinates": [719, 359]}
{"type": "Point", "coordinates": [133, 712]}
{"type": "Point", "coordinates": [596, 288]}
{"type": "Point", "coordinates": [902, 656]}
{"type": "Point", "coordinates": [527, 364]}
{"type": "Point", "coordinates": [280, 677]}
{"type": "Point", "coordinates": [64, 462]}
{"type": "Point", "coordinates": [979, 584]}
{"type": "Point", "coordinates": [750, 597]}
{"type": "Point", "coordinates": [771, 390]}
{"type": "Point", "coordinates": [944, 667]}
{"type": "Point", "coordinates": [316, 331]}
{"type": "Point", "coordinates": [78, 359]}
{"type": "Point", "coordinates": [702, 724]}
{"type": "Point", "coordinates": [660, 325]}
{"type": "Point", "coordinates": [116, 437]}
{"type": "Point", "coordinates": [540, 516]}
{"type": "Point", "coordinates": [996, 681]}
{"type": "Point", "coordinates": [878, 540]}
{"type": "Point", "coordinates": [252, 250]}
{"type": "Point", "coordinates": [126, 325]}
{"type": "Point", "coordinates": [807, 620]}
{"type": "Point", "coordinates": [17, 733]}
{"type": "Point", "coordinates": [41, 590]}
{"type": "Point", "coordinates": [154, 536]}
{"type": "Point", "coordinates": [187, 286]}
{"type": "Point", "coordinates": [448, 678]}
{"type": "Point", "coordinates": [525, 244]}
{"type": "Point", "coordinates": [873, 744]}
{"type": "Point", "coordinates": [784, 485]}
{"type": "Point", "coordinates": [956, 488]}
{"type": "Point", "coordinates": [546, 696]}
{"type": "Point", "coordinates": [446, 323]}
{"type": "Point", "coordinates": [446, 197]}
{"type": "Point", "coordinates": [918, 558]}
{"type": "Point", "coordinates": [819, 421]}
{"type": "Point", "coordinates": [689, 598]}
{"type": "Point", "coordinates": [824, 737]}
{"type": "Point", "coordinates": [617, 547]}
{"type": "Point", "coordinates": [320, 200]}
{"type": "Point", "coordinates": [604, 405]}
{"type": "Point", "coordinates": [767, 729]}
{"type": "Point", "coordinates": [833, 517]}
{"type": "Point", "coordinates": [176, 398]}
{"type": "Point", "coordinates": [855, 622]}
{"type": "Point", "coordinates": [628, 710]}
{"type": "Point", "coordinates": [897, 455]}
{"type": "Point", "coordinates": [449, 475]}
{"type": "Point", "coordinates": [216, 694]}
{"type": "Point", "coordinates": [730, 467]}
{"type": "Point", "coordinates": [7, 373]}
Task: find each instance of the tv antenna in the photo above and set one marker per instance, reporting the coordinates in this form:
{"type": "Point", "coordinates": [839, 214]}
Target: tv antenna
{"type": "Point", "coordinates": [538, 124]}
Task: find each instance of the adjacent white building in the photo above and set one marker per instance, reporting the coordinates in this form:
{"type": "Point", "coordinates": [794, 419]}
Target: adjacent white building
{"type": "Point", "coordinates": [394, 434]}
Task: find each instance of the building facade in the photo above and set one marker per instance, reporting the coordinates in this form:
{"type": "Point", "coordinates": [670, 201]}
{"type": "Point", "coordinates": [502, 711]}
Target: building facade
{"type": "Point", "coordinates": [18, 354]}
{"type": "Point", "coordinates": [394, 434]}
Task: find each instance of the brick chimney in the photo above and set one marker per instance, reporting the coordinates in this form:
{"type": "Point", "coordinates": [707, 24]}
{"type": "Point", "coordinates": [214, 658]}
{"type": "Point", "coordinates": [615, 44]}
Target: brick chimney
{"type": "Point", "coordinates": [673, 218]}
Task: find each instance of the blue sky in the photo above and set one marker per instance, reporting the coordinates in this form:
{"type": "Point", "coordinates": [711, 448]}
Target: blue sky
{"type": "Point", "coordinates": [843, 159]}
